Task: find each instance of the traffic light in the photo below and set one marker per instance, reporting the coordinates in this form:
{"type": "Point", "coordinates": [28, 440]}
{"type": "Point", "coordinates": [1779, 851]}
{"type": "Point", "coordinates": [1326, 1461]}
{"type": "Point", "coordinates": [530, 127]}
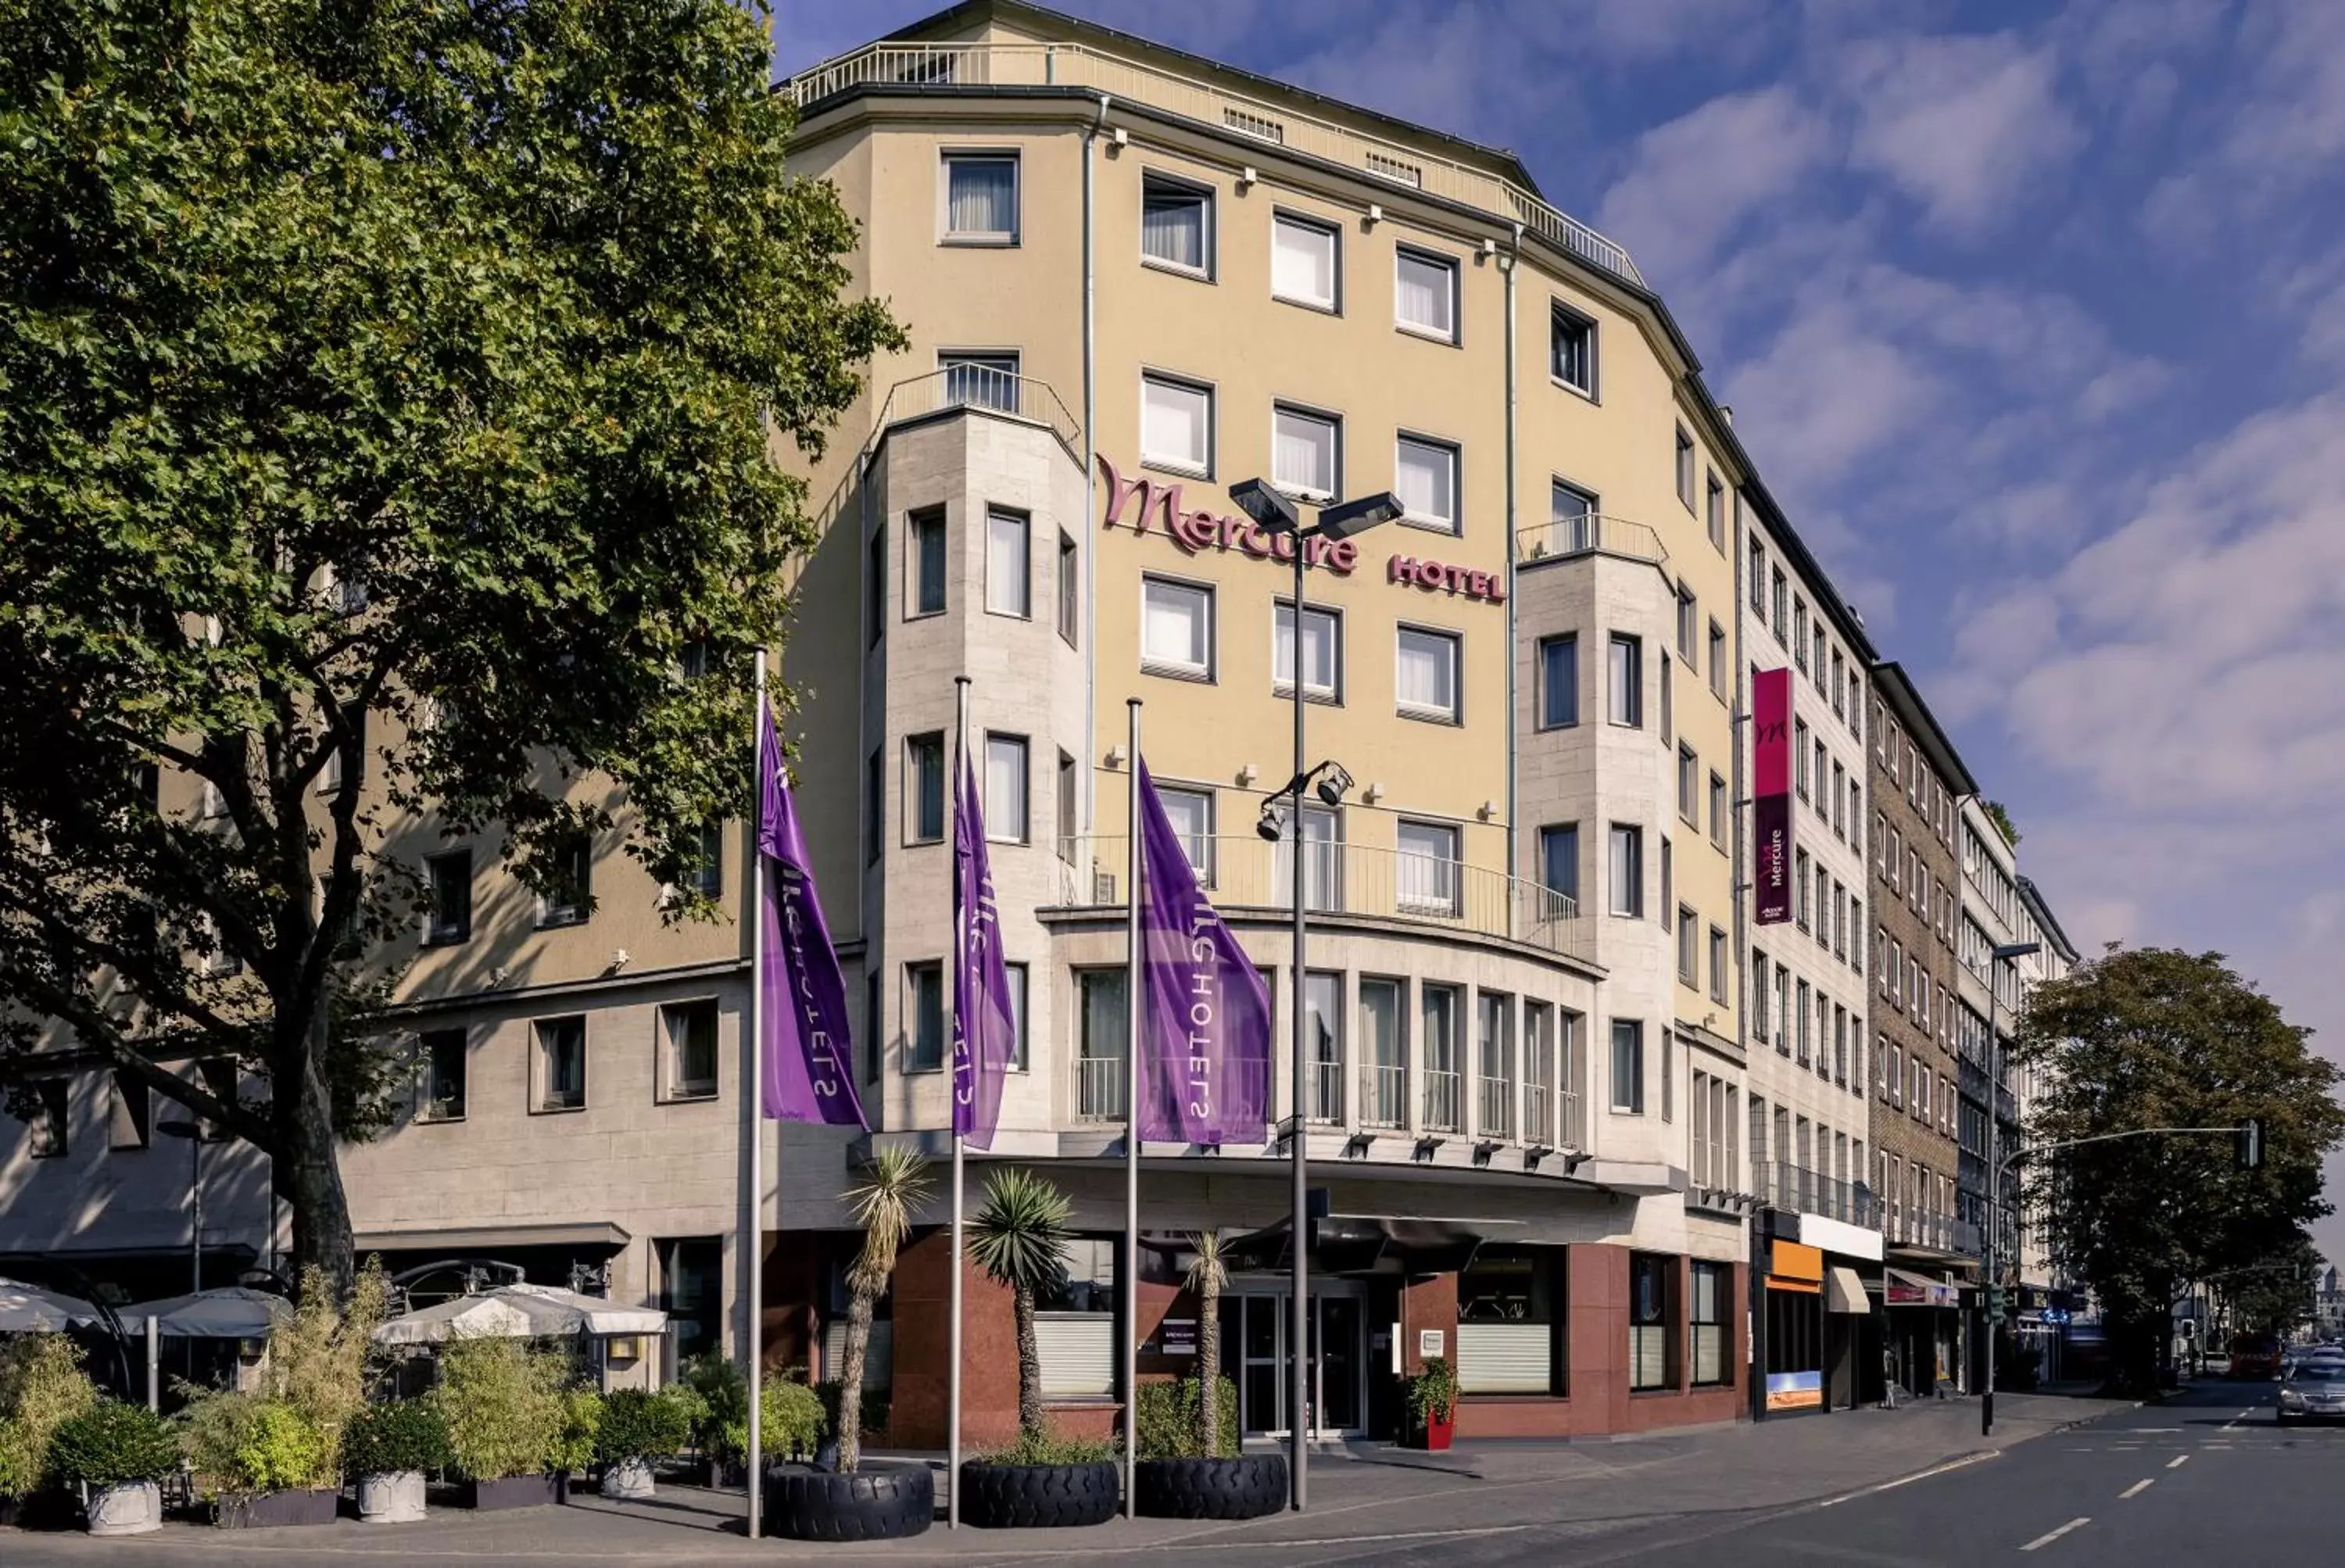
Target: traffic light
{"type": "Point", "coordinates": [2248, 1145]}
{"type": "Point", "coordinates": [1995, 1304]}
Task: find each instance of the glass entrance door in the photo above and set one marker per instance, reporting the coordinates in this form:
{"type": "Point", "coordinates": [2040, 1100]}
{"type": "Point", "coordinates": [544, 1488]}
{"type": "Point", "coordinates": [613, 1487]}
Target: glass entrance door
{"type": "Point", "coordinates": [1253, 1348]}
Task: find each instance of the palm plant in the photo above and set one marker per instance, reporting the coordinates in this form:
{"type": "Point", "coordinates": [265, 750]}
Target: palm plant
{"type": "Point", "coordinates": [894, 1185]}
{"type": "Point", "coordinates": [1020, 1238]}
{"type": "Point", "coordinates": [1209, 1271]}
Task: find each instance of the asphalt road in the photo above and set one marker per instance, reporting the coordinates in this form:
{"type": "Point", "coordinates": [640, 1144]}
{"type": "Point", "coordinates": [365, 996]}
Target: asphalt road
{"type": "Point", "coordinates": [2206, 1479]}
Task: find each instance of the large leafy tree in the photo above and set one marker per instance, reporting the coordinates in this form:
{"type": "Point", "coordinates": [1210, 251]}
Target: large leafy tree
{"type": "Point", "coordinates": [391, 393]}
{"type": "Point", "coordinates": [2153, 1037]}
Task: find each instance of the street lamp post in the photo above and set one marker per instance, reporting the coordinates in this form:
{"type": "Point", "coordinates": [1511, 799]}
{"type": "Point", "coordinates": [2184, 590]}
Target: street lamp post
{"type": "Point", "coordinates": [1275, 515]}
{"type": "Point", "coordinates": [1998, 955]}
{"type": "Point", "coordinates": [181, 1127]}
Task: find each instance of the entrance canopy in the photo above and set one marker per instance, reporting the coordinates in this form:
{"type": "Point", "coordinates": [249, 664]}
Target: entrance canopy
{"type": "Point", "coordinates": [1844, 1291]}
{"type": "Point", "coordinates": [1905, 1288]}
{"type": "Point", "coordinates": [1360, 1244]}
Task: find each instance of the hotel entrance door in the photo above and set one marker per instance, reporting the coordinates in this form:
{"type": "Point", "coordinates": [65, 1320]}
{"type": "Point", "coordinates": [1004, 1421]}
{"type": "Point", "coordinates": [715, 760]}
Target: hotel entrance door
{"type": "Point", "coordinates": [1255, 1328]}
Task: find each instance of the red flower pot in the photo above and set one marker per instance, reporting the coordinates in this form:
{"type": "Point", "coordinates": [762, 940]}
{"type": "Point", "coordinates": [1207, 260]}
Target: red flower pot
{"type": "Point", "coordinates": [1438, 1430]}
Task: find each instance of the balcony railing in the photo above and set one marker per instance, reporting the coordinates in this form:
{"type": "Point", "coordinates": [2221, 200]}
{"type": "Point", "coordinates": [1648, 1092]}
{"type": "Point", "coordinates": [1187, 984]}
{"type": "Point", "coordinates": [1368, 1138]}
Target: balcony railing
{"type": "Point", "coordinates": [1495, 1108]}
{"type": "Point", "coordinates": [1098, 1089]}
{"type": "Point", "coordinates": [1384, 1096]}
{"type": "Point", "coordinates": [1445, 1096]}
{"type": "Point", "coordinates": [1591, 533]}
{"type": "Point", "coordinates": [983, 387]}
{"type": "Point", "coordinates": [1248, 873]}
{"type": "Point", "coordinates": [1406, 165]}
{"type": "Point", "coordinates": [1800, 1190]}
{"type": "Point", "coordinates": [1328, 1094]}
{"type": "Point", "coordinates": [1939, 1232]}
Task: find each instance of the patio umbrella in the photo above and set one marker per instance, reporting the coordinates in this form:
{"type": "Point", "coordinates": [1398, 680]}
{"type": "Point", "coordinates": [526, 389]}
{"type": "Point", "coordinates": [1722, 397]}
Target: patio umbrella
{"type": "Point", "coordinates": [519, 1312]}
{"type": "Point", "coordinates": [25, 1310]}
{"type": "Point", "coordinates": [230, 1312]}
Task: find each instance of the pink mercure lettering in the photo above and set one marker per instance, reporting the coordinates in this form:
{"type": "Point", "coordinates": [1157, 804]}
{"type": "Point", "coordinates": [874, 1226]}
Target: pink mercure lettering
{"type": "Point", "coordinates": [1153, 497]}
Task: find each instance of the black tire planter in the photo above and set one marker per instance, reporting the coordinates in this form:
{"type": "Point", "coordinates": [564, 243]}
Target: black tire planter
{"type": "Point", "coordinates": [52, 1508]}
{"type": "Point", "coordinates": [876, 1503]}
{"type": "Point", "coordinates": [274, 1509]}
{"type": "Point", "coordinates": [1039, 1496]}
{"type": "Point", "coordinates": [1248, 1487]}
{"type": "Point", "coordinates": [514, 1492]}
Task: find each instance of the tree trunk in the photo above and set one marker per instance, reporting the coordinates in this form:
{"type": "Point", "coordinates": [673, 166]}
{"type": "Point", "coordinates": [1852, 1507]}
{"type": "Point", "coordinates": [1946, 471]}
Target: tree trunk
{"type": "Point", "coordinates": [851, 1381]}
{"type": "Point", "coordinates": [1209, 1366]}
{"type": "Point", "coordinates": [1030, 1362]}
{"type": "Point", "coordinates": [310, 1176]}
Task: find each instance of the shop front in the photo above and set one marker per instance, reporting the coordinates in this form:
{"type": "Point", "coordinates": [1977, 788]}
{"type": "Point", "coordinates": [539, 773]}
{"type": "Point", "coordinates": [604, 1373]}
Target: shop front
{"type": "Point", "coordinates": [1922, 1331]}
{"type": "Point", "coordinates": [1812, 1312]}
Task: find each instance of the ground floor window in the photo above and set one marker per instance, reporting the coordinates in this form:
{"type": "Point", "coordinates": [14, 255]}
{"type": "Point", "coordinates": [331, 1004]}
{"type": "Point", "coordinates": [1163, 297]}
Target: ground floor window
{"type": "Point", "coordinates": [1075, 1323]}
{"type": "Point", "coordinates": [1651, 1304]}
{"type": "Point", "coordinates": [1511, 1322]}
{"type": "Point", "coordinates": [691, 1294]}
{"type": "Point", "coordinates": [1712, 1301]}
{"type": "Point", "coordinates": [1795, 1347]}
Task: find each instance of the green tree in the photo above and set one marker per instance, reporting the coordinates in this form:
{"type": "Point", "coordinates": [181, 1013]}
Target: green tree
{"type": "Point", "coordinates": [2000, 818]}
{"type": "Point", "coordinates": [2153, 1037]}
{"type": "Point", "coordinates": [1208, 1276]}
{"type": "Point", "coordinates": [391, 398]}
{"type": "Point", "coordinates": [893, 1188]}
{"type": "Point", "coordinates": [1020, 1238]}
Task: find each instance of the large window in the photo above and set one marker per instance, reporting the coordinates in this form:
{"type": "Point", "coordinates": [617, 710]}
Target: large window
{"type": "Point", "coordinates": [1424, 294]}
{"type": "Point", "coordinates": [1574, 512]}
{"type": "Point", "coordinates": [1650, 1335]}
{"type": "Point", "coordinates": [924, 1017]}
{"type": "Point", "coordinates": [1006, 777]}
{"type": "Point", "coordinates": [560, 1063]}
{"type": "Point", "coordinates": [1538, 1074]}
{"type": "Point", "coordinates": [980, 198]}
{"type": "Point", "coordinates": [443, 1056]}
{"type": "Point", "coordinates": [1437, 1009]}
{"type": "Point", "coordinates": [1710, 1315]}
{"type": "Point", "coordinates": [927, 537]}
{"type": "Point", "coordinates": [1306, 453]}
{"type": "Point", "coordinates": [1190, 812]}
{"type": "Point", "coordinates": [1176, 425]}
{"type": "Point", "coordinates": [1009, 563]}
{"type": "Point", "coordinates": [1560, 860]}
{"type": "Point", "coordinates": [1428, 868]}
{"type": "Point", "coordinates": [1572, 349]}
{"type": "Point", "coordinates": [1425, 477]}
{"type": "Point", "coordinates": [1176, 225]}
{"type": "Point", "coordinates": [449, 876]}
{"type": "Point", "coordinates": [1323, 652]}
{"type": "Point", "coordinates": [1100, 1049]}
{"type": "Point", "coordinates": [1323, 1025]}
{"type": "Point", "coordinates": [1303, 261]}
{"type": "Point", "coordinates": [1176, 628]}
{"type": "Point", "coordinates": [1511, 1334]}
{"type": "Point", "coordinates": [924, 788]}
{"type": "Point", "coordinates": [1629, 1065]}
{"type": "Point", "coordinates": [1494, 1066]}
{"type": "Point", "coordinates": [1559, 681]}
{"type": "Point", "coordinates": [687, 1050]}
{"type": "Point", "coordinates": [1624, 666]}
{"type": "Point", "coordinates": [1426, 676]}
{"type": "Point", "coordinates": [1625, 870]}
{"type": "Point", "coordinates": [1383, 1053]}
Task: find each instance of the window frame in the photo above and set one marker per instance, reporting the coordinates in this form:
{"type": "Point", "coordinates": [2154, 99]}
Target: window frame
{"type": "Point", "coordinates": [982, 239]}
{"type": "Point", "coordinates": [1286, 408]}
{"type": "Point", "coordinates": [541, 1102]}
{"type": "Point", "coordinates": [1456, 642]}
{"type": "Point", "coordinates": [994, 832]}
{"type": "Point", "coordinates": [995, 514]}
{"type": "Point", "coordinates": [1455, 335]}
{"type": "Point", "coordinates": [1688, 466]}
{"type": "Point", "coordinates": [1553, 833]}
{"type": "Point", "coordinates": [1563, 317]}
{"type": "Point", "coordinates": [1448, 901]}
{"type": "Point", "coordinates": [1633, 1058]}
{"type": "Point", "coordinates": [671, 1087]}
{"type": "Point", "coordinates": [1208, 673]}
{"type": "Point", "coordinates": [1633, 906]}
{"type": "Point", "coordinates": [920, 525]}
{"type": "Point", "coordinates": [438, 931]}
{"type": "Point", "coordinates": [1543, 685]}
{"type": "Point", "coordinates": [1208, 225]}
{"type": "Point", "coordinates": [1212, 798]}
{"type": "Point", "coordinates": [1184, 466]}
{"type": "Point", "coordinates": [915, 799]}
{"type": "Point", "coordinates": [1333, 234]}
{"type": "Point", "coordinates": [1632, 645]}
{"type": "Point", "coordinates": [1455, 524]}
{"type": "Point", "coordinates": [1282, 612]}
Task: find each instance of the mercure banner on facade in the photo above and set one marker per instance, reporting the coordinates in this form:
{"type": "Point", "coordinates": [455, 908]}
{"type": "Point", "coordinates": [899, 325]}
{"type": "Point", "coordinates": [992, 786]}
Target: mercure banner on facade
{"type": "Point", "coordinates": [1770, 791]}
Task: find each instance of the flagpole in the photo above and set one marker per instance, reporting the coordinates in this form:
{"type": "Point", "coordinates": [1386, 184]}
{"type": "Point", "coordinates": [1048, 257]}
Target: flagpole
{"type": "Point", "coordinates": [952, 1351]}
{"type": "Point", "coordinates": [753, 1101]}
{"type": "Point", "coordinates": [1131, 1026]}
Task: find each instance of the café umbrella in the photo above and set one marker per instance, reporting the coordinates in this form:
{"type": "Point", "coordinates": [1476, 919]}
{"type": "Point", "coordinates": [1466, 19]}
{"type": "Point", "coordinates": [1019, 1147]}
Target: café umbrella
{"type": "Point", "coordinates": [230, 1312]}
{"type": "Point", "coordinates": [26, 1311]}
{"type": "Point", "coordinates": [520, 1311]}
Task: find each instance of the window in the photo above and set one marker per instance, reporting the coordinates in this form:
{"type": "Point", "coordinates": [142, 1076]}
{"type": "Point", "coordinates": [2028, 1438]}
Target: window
{"type": "Point", "coordinates": [1688, 785]}
{"type": "Point", "coordinates": [1424, 294]}
{"type": "Point", "coordinates": [1668, 700]}
{"type": "Point", "coordinates": [1783, 593]}
{"type": "Point", "coordinates": [560, 1063]}
{"type": "Point", "coordinates": [1718, 661]}
{"type": "Point", "coordinates": [1799, 756]}
{"type": "Point", "coordinates": [1801, 1042]}
{"type": "Point", "coordinates": [1625, 870]}
{"type": "Point", "coordinates": [1718, 813]}
{"type": "Point", "coordinates": [1070, 591]}
{"type": "Point", "coordinates": [1384, 1063]}
{"type": "Point", "coordinates": [1560, 860]}
{"type": "Point", "coordinates": [1305, 452]}
{"type": "Point", "coordinates": [446, 1055]}
{"type": "Point", "coordinates": [1176, 425]}
{"type": "Point", "coordinates": [1008, 569]}
{"type": "Point", "coordinates": [1099, 1081]}
{"type": "Point", "coordinates": [1494, 1067]}
{"type": "Point", "coordinates": [1512, 1324]}
{"type": "Point", "coordinates": [1176, 628]}
{"type": "Point", "coordinates": [1070, 787]}
{"type": "Point", "coordinates": [980, 380]}
{"type": "Point", "coordinates": [1428, 868]}
{"type": "Point", "coordinates": [1538, 1074]}
{"type": "Point", "coordinates": [1437, 1026]}
{"type": "Point", "coordinates": [707, 872]}
{"type": "Point", "coordinates": [1800, 632]}
{"type": "Point", "coordinates": [1758, 579]}
{"type": "Point", "coordinates": [1573, 511]}
{"type": "Point", "coordinates": [1713, 503]}
{"type": "Point", "coordinates": [924, 1012]}
{"type": "Point", "coordinates": [875, 588]}
{"type": "Point", "coordinates": [1559, 681]}
{"type": "Point", "coordinates": [571, 893]}
{"type": "Point", "coordinates": [1571, 338]}
{"type": "Point", "coordinates": [130, 1115]}
{"type": "Point", "coordinates": [1712, 1302]}
{"type": "Point", "coordinates": [1649, 1332]}
{"type": "Point", "coordinates": [1838, 800]}
{"type": "Point", "coordinates": [449, 876]}
{"type": "Point", "coordinates": [688, 1038]}
{"type": "Point", "coordinates": [1005, 788]}
{"type": "Point", "coordinates": [1015, 975]}
{"type": "Point", "coordinates": [980, 198]}
{"type": "Point", "coordinates": [51, 1105]}
{"type": "Point", "coordinates": [1425, 678]}
{"type": "Point", "coordinates": [1176, 225]}
{"type": "Point", "coordinates": [1303, 262]}
{"type": "Point", "coordinates": [927, 530]}
{"type": "Point", "coordinates": [1425, 477]}
{"type": "Point", "coordinates": [1629, 1066]}
{"type": "Point", "coordinates": [1685, 468]}
{"type": "Point", "coordinates": [1800, 911]}
{"type": "Point", "coordinates": [1626, 666]}
{"type": "Point", "coordinates": [1718, 975]}
{"type": "Point", "coordinates": [1689, 948]}
{"type": "Point", "coordinates": [1322, 1022]}
{"type": "Point", "coordinates": [875, 804]}
{"type": "Point", "coordinates": [924, 788]}
{"type": "Point", "coordinates": [1687, 621]}
{"type": "Point", "coordinates": [1190, 812]}
{"type": "Point", "coordinates": [1322, 864]}
{"type": "Point", "coordinates": [1323, 652]}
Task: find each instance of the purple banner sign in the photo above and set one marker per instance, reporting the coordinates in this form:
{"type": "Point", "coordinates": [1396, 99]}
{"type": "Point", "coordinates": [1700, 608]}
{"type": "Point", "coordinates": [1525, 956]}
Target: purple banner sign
{"type": "Point", "coordinates": [1205, 1064]}
{"type": "Point", "coordinates": [984, 1032]}
{"type": "Point", "coordinates": [804, 1061]}
{"type": "Point", "coordinates": [1770, 793]}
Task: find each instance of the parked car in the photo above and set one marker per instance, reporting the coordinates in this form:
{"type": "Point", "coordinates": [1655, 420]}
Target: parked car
{"type": "Point", "coordinates": [2315, 1391]}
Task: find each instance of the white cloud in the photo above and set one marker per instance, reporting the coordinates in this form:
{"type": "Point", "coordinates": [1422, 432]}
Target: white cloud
{"type": "Point", "coordinates": [1967, 125]}
{"type": "Point", "coordinates": [1690, 182]}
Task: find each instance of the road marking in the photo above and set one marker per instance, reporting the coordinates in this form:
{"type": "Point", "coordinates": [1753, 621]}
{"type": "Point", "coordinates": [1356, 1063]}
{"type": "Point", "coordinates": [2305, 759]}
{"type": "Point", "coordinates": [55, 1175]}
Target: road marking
{"type": "Point", "coordinates": [2138, 1488]}
{"type": "Point", "coordinates": [2049, 1536]}
{"type": "Point", "coordinates": [2177, 1462]}
{"type": "Point", "coordinates": [1968, 1458]}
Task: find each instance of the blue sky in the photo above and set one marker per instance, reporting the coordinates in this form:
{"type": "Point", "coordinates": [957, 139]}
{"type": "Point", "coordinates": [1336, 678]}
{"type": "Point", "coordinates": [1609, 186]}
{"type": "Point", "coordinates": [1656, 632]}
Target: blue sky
{"type": "Point", "coordinates": [2034, 318]}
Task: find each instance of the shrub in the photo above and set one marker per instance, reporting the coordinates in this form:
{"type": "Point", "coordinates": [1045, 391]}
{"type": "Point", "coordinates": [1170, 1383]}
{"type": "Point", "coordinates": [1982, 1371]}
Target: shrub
{"type": "Point", "coordinates": [790, 1415]}
{"type": "Point", "coordinates": [113, 1443]}
{"type": "Point", "coordinates": [215, 1428]}
{"type": "Point", "coordinates": [1168, 1419]}
{"type": "Point", "coordinates": [875, 1407]}
{"type": "Point", "coordinates": [501, 1405]}
{"type": "Point", "coordinates": [582, 1419]}
{"type": "Point", "coordinates": [1048, 1447]}
{"type": "Point", "coordinates": [1433, 1393]}
{"type": "Point", "coordinates": [397, 1435]}
{"type": "Point", "coordinates": [239, 1443]}
{"type": "Point", "coordinates": [723, 1392]}
{"type": "Point", "coordinates": [42, 1387]}
{"type": "Point", "coordinates": [639, 1424]}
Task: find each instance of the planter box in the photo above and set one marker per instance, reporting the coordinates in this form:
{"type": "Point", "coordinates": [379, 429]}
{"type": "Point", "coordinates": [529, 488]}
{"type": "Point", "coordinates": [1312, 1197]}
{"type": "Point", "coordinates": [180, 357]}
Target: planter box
{"type": "Point", "coordinates": [395, 1497]}
{"type": "Point", "coordinates": [1435, 1435]}
{"type": "Point", "coordinates": [270, 1510]}
{"type": "Point", "coordinates": [1248, 1487]}
{"type": "Point", "coordinates": [514, 1492]}
{"type": "Point", "coordinates": [1039, 1496]}
{"type": "Point", "coordinates": [135, 1509]}
{"type": "Point", "coordinates": [879, 1502]}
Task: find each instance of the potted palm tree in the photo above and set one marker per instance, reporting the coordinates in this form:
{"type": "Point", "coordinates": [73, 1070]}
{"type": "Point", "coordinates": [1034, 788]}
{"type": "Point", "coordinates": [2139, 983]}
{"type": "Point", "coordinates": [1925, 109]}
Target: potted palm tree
{"type": "Point", "coordinates": [1020, 1238]}
{"type": "Point", "coordinates": [882, 1501]}
{"type": "Point", "coordinates": [1192, 1468]}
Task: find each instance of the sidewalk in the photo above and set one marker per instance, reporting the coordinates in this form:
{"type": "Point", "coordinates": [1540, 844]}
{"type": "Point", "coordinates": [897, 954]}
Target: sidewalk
{"type": "Point", "coordinates": [1383, 1499]}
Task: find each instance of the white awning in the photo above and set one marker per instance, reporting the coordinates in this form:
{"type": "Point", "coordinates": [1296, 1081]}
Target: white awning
{"type": "Point", "coordinates": [1845, 1290]}
{"type": "Point", "coordinates": [519, 1312]}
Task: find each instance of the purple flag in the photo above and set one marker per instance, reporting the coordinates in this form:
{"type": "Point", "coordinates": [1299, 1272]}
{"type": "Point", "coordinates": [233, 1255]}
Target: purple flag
{"type": "Point", "coordinates": [984, 1034]}
{"type": "Point", "coordinates": [804, 1058]}
{"type": "Point", "coordinates": [1205, 1067]}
